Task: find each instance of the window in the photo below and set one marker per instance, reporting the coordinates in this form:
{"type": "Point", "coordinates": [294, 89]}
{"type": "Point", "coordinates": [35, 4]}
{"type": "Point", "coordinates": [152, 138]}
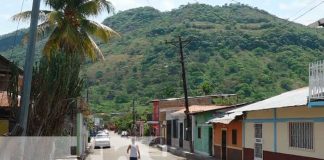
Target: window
{"type": "Point", "coordinates": [175, 128]}
{"type": "Point", "coordinates": [301, 135]}
{"type": "Point", "coordinates": [234, 136]}
{"type": "Point", "coordinates": [199, 132]}
{"type": "Point", "coordinates": [258, 130]}
{"type": "Point", "coordinates": [258, 152]}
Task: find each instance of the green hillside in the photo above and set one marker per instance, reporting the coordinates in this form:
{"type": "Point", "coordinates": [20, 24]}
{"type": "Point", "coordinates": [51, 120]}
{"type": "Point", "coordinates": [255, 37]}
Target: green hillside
{"type": "Point", "coordinates": [235, 49]}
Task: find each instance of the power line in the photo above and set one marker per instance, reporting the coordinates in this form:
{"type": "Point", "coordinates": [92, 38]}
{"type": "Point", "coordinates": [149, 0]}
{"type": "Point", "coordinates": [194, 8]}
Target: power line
{"type": "Point", "coordinates": [302, 8]}
{"type": "Point", "coordinates": [308, 11]}
{"type": "Point", "coordinates": [16, 32]}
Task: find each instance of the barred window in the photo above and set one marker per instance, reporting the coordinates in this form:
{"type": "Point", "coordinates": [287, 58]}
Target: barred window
{"type": "Point", "coordinates": [301, 135]}
{"type": "Point", "coordinates": [258, 130]}
{"type": "Point", "coordinates": [258, 152]}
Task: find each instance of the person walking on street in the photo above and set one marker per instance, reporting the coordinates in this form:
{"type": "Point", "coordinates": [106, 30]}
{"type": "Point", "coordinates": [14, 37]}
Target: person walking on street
{"type": "Point", "coordinates": [134, 151]}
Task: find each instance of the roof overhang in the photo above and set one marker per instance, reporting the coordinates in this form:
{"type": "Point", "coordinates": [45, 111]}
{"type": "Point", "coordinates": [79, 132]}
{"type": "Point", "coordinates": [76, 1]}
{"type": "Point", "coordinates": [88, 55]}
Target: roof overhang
{"type": "Point", "coordinates": [226, 119]}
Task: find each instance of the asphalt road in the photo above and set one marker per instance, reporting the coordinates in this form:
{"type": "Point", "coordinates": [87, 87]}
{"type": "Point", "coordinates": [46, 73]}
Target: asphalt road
{"type": "Point", "coordinates": [119, 147]}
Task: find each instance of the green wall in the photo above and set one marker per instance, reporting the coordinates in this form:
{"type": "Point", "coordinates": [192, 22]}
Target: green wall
{"type": "Point", "coordinates": [202, 144]}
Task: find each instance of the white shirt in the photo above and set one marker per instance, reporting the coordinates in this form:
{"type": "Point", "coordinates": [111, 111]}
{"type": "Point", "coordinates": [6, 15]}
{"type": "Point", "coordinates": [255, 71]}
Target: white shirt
{"type": "Point", "coordinates": [133, 152]}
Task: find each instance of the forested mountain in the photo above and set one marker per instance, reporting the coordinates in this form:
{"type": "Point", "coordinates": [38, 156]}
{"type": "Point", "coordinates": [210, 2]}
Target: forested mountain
{"type": "Point", "coordinates": [234, 49]}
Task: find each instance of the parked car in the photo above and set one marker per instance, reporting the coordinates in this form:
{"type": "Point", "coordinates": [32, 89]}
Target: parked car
{"type": "Point", "coordinates": [102, 140]}
{"type": "Point", "coordinates": [106, 131]}
{"type": "Point", "coordinates": [124, 133]}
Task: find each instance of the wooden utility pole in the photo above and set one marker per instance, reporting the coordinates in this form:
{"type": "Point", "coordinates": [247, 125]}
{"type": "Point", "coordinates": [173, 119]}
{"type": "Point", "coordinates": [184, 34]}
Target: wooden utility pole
{"type": "Point", "coordinates": [134, 123]}
{"type": "Point", "coordinates": [180, 45]}
{"type": "Point", "coordinates": [28, 68]}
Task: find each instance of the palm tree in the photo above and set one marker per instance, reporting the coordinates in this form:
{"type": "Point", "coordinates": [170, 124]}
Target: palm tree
{"type": "Point", "coordinates": [70, 30]}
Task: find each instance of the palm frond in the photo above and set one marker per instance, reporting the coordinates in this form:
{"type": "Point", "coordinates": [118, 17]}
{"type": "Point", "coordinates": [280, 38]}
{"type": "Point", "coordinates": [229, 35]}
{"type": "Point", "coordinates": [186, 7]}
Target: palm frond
{"type": "Point", "coordinates": [57, 5]}
{"type": "Point", "coordinates": [95, 7]}
{"type": "Point", "coordinates": [53, 43]}
{"type": "Point", "coordinates": [25, 16]}
{"type": "Point", "coordinates": [99, 30]}
{"type": "Point", "coordinates": [90, 48]}
{"type": "Point", "coordinates": [55, 17]}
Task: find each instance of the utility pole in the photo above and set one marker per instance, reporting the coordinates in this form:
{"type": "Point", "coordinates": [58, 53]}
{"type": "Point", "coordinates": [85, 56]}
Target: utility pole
{"type": "Point", "coordinates": [28, 68]}
{"type": "Point", "coordinates": [134, 117]}
{"type": "Point", "coordinates": [179, 44]}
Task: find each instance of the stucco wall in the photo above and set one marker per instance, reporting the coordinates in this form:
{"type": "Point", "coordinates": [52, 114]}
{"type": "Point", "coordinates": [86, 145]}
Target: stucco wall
{"type": "Point", "coordinates": [217, 131]}
{"type": "Point", "coordinates": [262, 114]}
{"type": "Point", "coordinates": [202, 145]}
{"type": "Point", "coordinates": [284, 116]}
{"type": "Point", "coordinates": [267, 136]}
{"type": "Point", "coordinates": [175, 142]}
{"type": "Point", "coordinates": [283, 141]}
{"type": "Point", "coordinates": [180, 102]}
{"type": "Point", "coordinates": [300, 112]}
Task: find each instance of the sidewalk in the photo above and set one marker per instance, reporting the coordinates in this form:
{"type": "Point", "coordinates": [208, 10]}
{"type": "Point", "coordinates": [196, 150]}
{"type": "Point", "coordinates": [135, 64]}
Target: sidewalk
{"type": "Point", "coordinates": [183, 153]}
{"type": "Point", "coordinates": [89, 150]}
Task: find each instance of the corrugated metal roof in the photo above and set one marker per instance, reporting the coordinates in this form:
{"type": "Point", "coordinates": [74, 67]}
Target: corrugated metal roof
{"type": "Point", "coordinates": [197, 109]}
{"type": "Point", "coordinates": [205, 96]}
{"type": "Point", "coordinates": [226, 119]}
{"type": "Point", "coordinates": [292, 98]}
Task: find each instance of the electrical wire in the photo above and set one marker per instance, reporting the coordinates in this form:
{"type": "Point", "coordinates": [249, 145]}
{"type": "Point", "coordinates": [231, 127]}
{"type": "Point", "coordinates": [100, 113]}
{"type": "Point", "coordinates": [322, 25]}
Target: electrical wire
{"type": "Point", "coordinates": [308, 11]}
{"type": "Point", "coordinates": [16, 32]}
{"type": "Point", "coordinates": [303, 8]}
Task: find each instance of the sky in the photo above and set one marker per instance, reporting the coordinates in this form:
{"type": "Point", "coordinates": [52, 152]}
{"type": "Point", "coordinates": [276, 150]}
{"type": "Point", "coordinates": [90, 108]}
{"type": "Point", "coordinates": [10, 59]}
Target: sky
{"type": "Point", "coordinates": [286, 9]}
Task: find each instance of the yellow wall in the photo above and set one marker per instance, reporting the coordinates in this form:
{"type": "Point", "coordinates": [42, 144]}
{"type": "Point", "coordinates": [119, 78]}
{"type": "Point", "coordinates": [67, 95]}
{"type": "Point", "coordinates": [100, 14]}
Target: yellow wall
{"type": "Point", "coordinates": [267, 137]}
{"type": "Point", "coordinates": [300, 112]}
{"type": "Point", "coordinates": [4, 127]}
{"type": "Point", "coordinates": [262, 114]}
{"type": "Point", "coordinates": [282, 130]}
{"type": "Point", "coordinates": [283, 141]}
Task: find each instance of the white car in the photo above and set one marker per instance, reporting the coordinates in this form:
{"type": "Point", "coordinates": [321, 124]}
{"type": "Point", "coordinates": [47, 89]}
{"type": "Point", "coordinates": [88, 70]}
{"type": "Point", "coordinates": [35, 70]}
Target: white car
{"type": "Point", "coordinates": [106, 131]}
{"type": "Point", "coordinates": [124, 133]}
{"type": "Point", "coordinates": [102, 140]}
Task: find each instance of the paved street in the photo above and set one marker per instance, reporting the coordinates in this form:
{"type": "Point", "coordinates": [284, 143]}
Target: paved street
{"type": "Point", "coordinates": [119, 146]}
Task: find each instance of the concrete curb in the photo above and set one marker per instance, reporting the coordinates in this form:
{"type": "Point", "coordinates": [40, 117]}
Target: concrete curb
{"type": "Point", "coordinates": [185, 154]}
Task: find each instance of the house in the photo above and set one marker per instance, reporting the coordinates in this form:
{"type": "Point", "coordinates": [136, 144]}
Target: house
{"type": "Point", "coordinates": [282, 127]}
{"type": "Point", "coordinates": [227, 130]}
{"type": "Point", "coordinates": [179, 123]}
{"type": "Point", "coordinates": [162, 108]}
{"type": "Point", "coordinates": [6, 120]}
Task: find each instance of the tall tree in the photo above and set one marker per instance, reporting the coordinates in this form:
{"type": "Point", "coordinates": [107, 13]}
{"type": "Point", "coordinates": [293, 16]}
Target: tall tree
{"type": "Point", "coordinates": [56, 79]}
{"type": "Point", "coordinates": [69, 27]}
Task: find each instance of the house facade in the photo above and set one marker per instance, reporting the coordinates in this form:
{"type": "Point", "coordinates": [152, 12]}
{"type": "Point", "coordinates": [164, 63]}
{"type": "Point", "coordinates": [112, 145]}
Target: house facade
{"type": "Point", "coordinates": [162, 122]}
{"type": "Point", "coordinates": [6, 121]}
{"type": "Point", "coordinates": [228, 139]}
{"type": "Point", "coordinates": [282, 127]}
{"type": "Point", "coordinates": [294, 133]}
{"type": "Point", "coordinates": [203, 133]}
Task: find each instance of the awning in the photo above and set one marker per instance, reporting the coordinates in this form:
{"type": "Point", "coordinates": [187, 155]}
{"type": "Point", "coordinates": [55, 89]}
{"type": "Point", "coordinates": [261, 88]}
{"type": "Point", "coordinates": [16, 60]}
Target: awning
{"type": "Point", "coordinates": [226, 119]}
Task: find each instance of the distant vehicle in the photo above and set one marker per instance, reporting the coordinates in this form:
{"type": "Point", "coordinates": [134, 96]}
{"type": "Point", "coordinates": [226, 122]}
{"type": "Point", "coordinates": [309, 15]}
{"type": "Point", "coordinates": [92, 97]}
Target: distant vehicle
{"type": "Point", "coordinates": [103, 131]}
{"type": "Point", "coordinates": [124, 133]}
{"type": "Point", "coordinates": [102, 140]}
{"type": "Point", "coordinates": [106, 131]}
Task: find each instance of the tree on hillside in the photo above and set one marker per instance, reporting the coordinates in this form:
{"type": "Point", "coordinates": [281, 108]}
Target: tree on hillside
{"type": "Point", "coordinates": [56, 80]}
{"type": "Point", "coordinates": [70, 30]}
